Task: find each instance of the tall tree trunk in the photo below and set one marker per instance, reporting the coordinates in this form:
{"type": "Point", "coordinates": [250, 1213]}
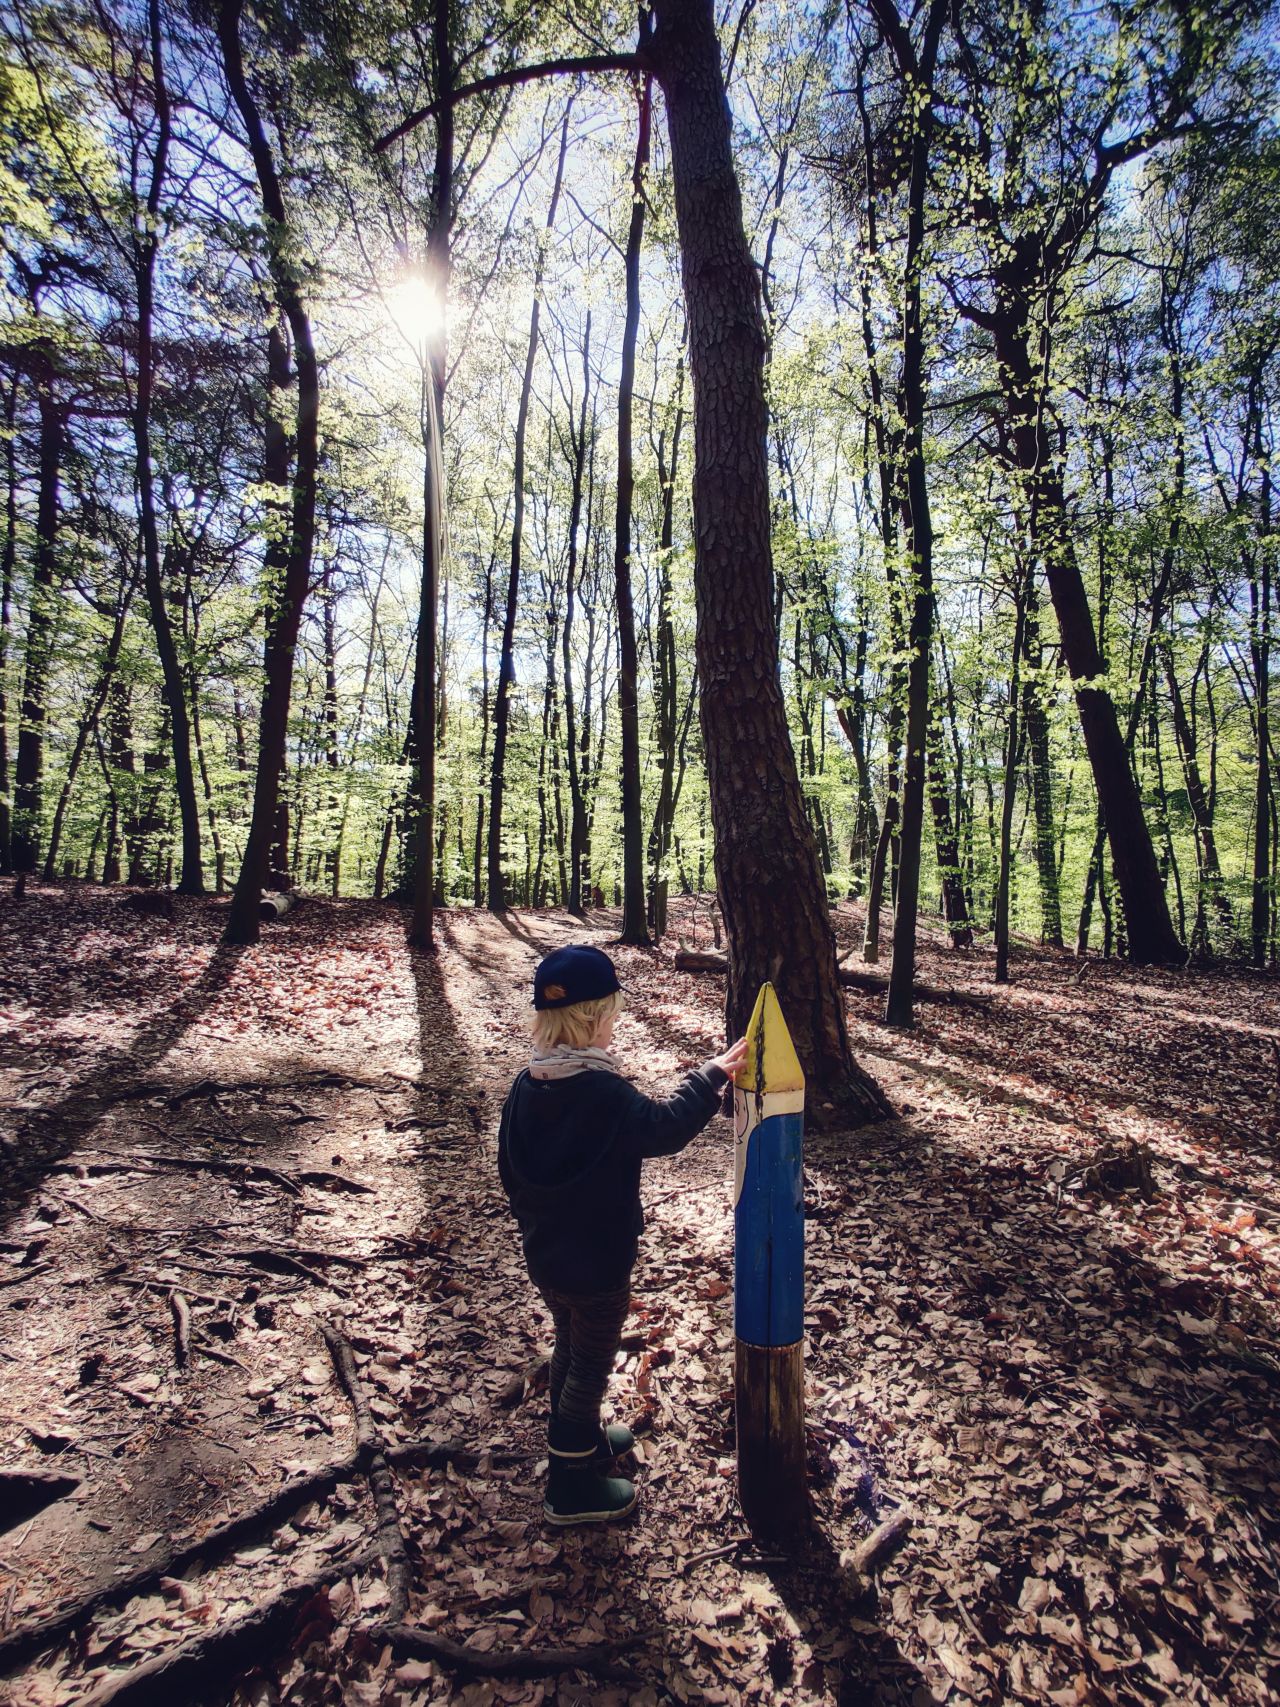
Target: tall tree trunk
{"type": "Point", "coordinates": [665, 684]}
{"type": "Point", "coordinates": [329, 721]}
{"type": "Point", "coordinates": [8, 558]}
{"type": "Point", "coordinates": [634, 929]}
{"type": "Point", "coordinates": [1210, 870]}
{"type": "Point", "coordinates": [887, 448]}
{"type": "Point", "coordinates": [425, 714]}
{"type": "Point", "coordinates": [1012, 745]}
{"type": "Point", "coordinates": [28, 772]}
{"type": "Point", "coordinates": [1151, 936]}
{"type": "Point", "coordinates": [1037, 727]}
{"type": "Point", "coordinates": [358, 729]}
{"type": "Point", "coordinates": [477, 879]}
{"type": "Point", "coordinates": [770, 888]}
{"type": "Point", "coordinates": [577, 800]}
{"type": "Point", "coordinates": [1260, 648]}
{"type": "Point", "coordinates": [145, 246]}
{"type": "Point", "coordinates": [285, 609]}
{"type": "Point", "coordinates": [916, 77]}
{"type": "Point", "coordinates": [507, 660]}
{"type": "Point", "coordinates": [88, 722]}
{"type": "Point", "coordinates": [955, 903]}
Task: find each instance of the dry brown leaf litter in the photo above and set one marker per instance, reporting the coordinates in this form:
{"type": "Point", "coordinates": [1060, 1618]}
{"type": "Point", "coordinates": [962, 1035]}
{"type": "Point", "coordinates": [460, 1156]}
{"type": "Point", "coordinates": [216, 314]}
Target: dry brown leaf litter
{"type": "Point", "coordinates": [1070, 1386]}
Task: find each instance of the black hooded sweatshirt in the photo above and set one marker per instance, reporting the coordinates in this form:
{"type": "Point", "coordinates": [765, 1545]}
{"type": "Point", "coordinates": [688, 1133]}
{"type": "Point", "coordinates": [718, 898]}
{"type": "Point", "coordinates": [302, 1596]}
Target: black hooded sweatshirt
{"type": "Point", "coordinates": [569, 1155]}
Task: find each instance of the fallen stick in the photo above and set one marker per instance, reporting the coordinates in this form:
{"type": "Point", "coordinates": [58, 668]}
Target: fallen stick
{"type": "Point", "coordinates": [166, 1287]}
{"type": "Point", "coordinates": [508, 1662]}
{"type": "Point", "coordinates": [201, 1666]}
{"type": "Point", "coordinates": [296, 1253]}
{"type": "Point", "coordinates": [382, 1485]}
{"type": "Point", "coordinates": [249, 1170]}
{"type": "Point", "coordinates": [181, 1312]}
{"type": "Point", "coordinates": [328, 1180]}
{"type": "Point", "coordinates": [882, 1541]}
{"type": "Point", "coordinates": [270, 1262]}
{"type": "Point", "coordinates": [877, 983]}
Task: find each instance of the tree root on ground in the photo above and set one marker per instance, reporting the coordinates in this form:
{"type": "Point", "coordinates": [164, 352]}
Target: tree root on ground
{"type": "Point", "coordinates": [28, 1640]}
{"type": "Point", "coordinates": [373, 1458]}
{"type": "Point", "coordinates": [522, 1662]}
{"type": "Point", "coordinates": [194, 1669]}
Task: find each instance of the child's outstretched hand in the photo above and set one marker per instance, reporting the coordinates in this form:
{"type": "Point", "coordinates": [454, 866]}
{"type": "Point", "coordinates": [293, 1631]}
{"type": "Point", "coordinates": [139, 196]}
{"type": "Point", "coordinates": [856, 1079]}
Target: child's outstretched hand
{"type": "Point", "coordinates": [732, 1058]}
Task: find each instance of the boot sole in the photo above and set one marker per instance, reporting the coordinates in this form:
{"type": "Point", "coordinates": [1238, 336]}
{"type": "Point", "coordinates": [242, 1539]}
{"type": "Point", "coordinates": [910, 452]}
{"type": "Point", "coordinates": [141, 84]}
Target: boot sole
{"type": "Point", "coordinates": [564, 1519]}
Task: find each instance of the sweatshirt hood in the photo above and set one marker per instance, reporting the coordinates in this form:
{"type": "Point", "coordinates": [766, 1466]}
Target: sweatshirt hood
{"type": "Point", "coordinates": [564, 1131]}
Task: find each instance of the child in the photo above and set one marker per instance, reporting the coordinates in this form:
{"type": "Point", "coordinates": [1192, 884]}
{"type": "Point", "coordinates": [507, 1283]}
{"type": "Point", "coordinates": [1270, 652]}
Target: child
{"type": "Point", "coordinates": [572, 1138]}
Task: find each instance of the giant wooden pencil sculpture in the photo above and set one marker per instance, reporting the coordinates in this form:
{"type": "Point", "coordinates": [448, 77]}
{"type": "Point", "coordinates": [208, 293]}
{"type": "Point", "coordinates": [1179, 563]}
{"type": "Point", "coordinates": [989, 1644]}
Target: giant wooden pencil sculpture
{"type": "Point", "coordinates": [768, 1294]}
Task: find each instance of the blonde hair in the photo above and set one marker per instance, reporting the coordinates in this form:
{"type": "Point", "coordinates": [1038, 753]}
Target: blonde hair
{"type": "Point", "coordinates": [575, 1025]}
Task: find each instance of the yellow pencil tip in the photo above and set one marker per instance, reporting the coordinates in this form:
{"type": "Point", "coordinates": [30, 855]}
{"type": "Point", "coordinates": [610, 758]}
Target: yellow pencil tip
{"type": "Point", "coordinates": [772, 1063]}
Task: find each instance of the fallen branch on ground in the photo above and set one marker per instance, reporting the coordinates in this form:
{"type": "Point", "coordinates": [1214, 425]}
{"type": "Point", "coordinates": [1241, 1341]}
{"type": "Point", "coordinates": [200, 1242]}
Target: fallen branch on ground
{"type": "Point", "coordinates": [270, 1262]}
{"type": "Point", "coordinates": [203, 1665]}
{"type": "Point", "coordinates": [521, 1662]}
{"type": "Point", "coordinates": [882, 1541]}
{"type": "Point", "coordinates": [877, 983]}
{"type": "Point", "coordinates": [860, 1563]}
{"type": "Point", "coordinates": [30, 1639]}
{"type": "Point", "coordinates": [181, 1312]}
{"type": "Point", "coordinates": [391, 1543]}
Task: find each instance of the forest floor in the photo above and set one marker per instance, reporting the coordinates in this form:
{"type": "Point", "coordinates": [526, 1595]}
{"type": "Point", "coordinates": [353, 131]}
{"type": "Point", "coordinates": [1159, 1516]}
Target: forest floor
{"type": "Point", "coordinates": [1041, 1321]}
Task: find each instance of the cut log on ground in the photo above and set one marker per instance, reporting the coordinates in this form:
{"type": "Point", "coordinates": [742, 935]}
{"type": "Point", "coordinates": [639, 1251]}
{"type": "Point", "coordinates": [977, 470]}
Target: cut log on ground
{"type": "Point", "coordinates": [513, 1662]}
{"type": "Point", "coordinates": [274, 905]}
{"type": "Point", "coordinates": [876, 983]}
{"type": "Point", "coordinates": [202, 1667]}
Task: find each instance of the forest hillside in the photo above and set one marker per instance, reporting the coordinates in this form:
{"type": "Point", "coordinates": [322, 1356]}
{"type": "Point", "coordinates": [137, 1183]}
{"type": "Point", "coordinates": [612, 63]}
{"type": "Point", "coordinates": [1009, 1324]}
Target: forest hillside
{"type": "Point", "coordinates": [1040, 1318]}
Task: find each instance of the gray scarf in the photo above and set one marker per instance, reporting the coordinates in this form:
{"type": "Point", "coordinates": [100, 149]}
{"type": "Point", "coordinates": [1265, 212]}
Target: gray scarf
{"type": "Point", "coordinates": [564, 1061]}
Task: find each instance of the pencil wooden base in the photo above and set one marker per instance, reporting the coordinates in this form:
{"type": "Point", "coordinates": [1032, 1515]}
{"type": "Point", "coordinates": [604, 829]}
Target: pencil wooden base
{"type": "Point", "coordinates": [769, 1402]}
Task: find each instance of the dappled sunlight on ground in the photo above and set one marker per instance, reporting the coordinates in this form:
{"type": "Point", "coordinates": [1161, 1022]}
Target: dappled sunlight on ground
{"type": "Point", "coordinates": [1064, 1383]}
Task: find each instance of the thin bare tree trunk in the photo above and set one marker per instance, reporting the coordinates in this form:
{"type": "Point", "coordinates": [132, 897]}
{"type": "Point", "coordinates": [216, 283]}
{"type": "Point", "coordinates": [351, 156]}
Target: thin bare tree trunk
{"type": "Point", "coordinates": [507, 662]}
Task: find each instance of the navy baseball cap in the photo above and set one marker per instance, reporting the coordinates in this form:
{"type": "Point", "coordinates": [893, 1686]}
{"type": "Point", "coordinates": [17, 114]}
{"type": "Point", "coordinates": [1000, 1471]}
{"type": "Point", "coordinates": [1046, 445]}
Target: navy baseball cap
{"type": "Point", "coordinates": [574, 974]}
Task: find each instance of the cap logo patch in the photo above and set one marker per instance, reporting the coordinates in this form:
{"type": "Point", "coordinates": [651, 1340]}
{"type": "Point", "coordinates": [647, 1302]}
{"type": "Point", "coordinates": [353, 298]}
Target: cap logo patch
{"type": "Point", "coordinates": [554, 992]}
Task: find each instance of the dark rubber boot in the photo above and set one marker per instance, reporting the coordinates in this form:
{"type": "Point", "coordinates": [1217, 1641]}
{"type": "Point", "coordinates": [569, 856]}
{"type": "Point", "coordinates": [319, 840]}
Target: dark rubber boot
{"type": "Point", "coordinates": [598, 1449]}
{"type": "Point", "coordinates": [578, 1495]}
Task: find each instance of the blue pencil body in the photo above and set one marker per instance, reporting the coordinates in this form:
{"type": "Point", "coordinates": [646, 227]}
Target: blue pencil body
{"type": "Point", "coordinates": [768, 1299]}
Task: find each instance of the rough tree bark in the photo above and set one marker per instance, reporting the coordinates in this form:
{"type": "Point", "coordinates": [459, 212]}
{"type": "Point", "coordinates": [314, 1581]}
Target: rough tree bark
{"type": "Point", "coordinates": [28, 771]}
{"type": "Point", "coordinates": [771, 890]}
{"type": "Point", "coordinates": [284, 611]}
{"type": "Point", "coordinates": [146, 243]}
{"type": "Point", "coordinates": [424, 712]}
{"type": "Point", "coordinates": [916, 77]}
{"type": "Point", "coordinates": [507, 658]}
{"type": "Point", "coordinates": [634, 929]}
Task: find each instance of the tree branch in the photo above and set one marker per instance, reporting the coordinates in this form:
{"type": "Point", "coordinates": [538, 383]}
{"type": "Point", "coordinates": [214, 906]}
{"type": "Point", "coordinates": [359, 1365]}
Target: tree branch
{"type": "Point", "coordinates": [507, 79]}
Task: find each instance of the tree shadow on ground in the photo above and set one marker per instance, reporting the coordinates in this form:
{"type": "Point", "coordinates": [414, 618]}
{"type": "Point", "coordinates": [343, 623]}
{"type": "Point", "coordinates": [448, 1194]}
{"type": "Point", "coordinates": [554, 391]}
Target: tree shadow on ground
{"type": "Point", "coordinates": [829, 1604]}
{"type": "Point", "coordinates": [50, 1133]}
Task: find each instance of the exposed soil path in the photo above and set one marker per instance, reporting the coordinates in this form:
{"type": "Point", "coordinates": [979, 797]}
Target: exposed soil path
{"type": "Point", "coordinates": [1071, 1386]}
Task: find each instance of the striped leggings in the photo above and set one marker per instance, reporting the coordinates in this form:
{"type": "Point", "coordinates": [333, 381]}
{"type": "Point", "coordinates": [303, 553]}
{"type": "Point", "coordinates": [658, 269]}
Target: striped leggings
{"type": "Point", "coordinates": [588, 1332]}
